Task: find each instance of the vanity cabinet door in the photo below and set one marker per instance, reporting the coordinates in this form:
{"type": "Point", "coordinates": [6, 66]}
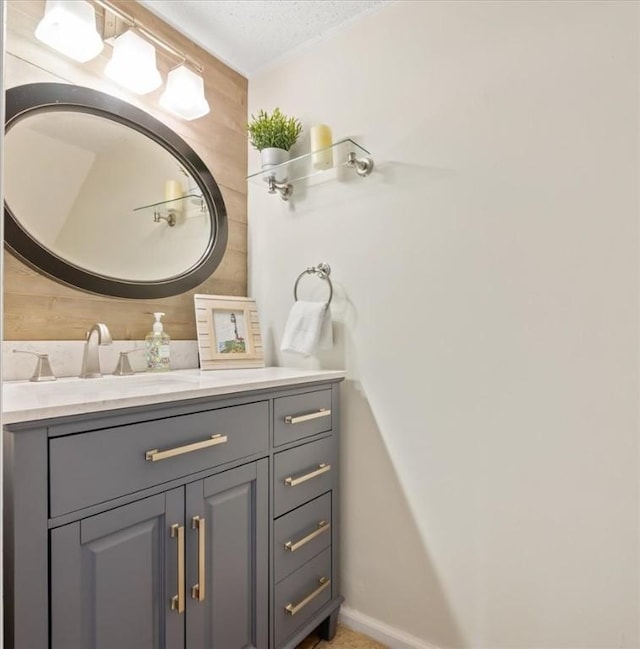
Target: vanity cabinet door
{"type": "Point", "coordinates": [113, 577]}
{"type": "Point", "coordinates": [228, 554]}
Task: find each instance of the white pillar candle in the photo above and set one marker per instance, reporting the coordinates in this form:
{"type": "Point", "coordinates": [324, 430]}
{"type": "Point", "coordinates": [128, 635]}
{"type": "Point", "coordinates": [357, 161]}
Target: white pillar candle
{"type": "Point", "coordinates": [172, 191]}
{"type": "Point", "coordinates": [320, 139]}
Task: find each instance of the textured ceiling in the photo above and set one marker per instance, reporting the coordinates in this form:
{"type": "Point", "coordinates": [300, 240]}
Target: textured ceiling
{"type": "Point", "coordinates": [251, 34]}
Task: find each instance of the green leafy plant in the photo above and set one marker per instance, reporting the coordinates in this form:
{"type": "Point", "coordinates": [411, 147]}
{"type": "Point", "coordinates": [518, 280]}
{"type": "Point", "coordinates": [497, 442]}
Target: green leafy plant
{"type": "Point", "coordinates": [275, 130]}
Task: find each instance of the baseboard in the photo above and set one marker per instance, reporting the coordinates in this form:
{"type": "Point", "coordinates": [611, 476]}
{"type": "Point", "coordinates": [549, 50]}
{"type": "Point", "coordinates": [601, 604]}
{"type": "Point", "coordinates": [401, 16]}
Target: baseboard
{"type": "Point", "coordinates": [383, 633]}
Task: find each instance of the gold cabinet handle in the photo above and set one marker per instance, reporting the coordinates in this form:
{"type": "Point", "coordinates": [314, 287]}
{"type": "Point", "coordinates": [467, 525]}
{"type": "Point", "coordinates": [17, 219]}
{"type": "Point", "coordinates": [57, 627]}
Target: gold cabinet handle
{"type": "Point", "coordinates": [177, 601]}
{"type": "Point", "coordinates": [155, 455]}
{"type": "Point", "coordinates": [322, 468]}
{"type": "Point", "coordinates": [323, 526]}
{"type": "Point", "coordinates": [198, 591]}
{"type": "Point", "coordinates": [292, 609]}
{"type": "Point", "coordinates": [323, 412]}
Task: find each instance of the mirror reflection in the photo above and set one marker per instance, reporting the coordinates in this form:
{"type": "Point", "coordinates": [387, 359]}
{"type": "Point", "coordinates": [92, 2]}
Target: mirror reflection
{"type": "Point", "coordinates": [105, 197]}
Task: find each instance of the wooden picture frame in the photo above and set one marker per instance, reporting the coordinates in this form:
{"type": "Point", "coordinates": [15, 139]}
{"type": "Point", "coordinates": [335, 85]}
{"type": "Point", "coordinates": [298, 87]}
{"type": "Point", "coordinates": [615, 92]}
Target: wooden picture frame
{"type": "Point", "coordinates": [228, 332]}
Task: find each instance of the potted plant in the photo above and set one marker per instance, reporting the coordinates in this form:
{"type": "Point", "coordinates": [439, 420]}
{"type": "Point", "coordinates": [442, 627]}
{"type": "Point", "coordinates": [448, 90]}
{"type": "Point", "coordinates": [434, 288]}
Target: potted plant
{"type": "Point", "coordinates": [273, 135]}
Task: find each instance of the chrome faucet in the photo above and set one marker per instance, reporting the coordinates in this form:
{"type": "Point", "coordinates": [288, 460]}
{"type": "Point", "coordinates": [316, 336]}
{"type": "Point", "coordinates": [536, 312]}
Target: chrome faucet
{"type": "Point", "coordinates": [90, 357]}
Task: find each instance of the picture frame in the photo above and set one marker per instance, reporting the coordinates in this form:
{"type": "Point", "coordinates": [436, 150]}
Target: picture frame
{"type": "Point", "coordinates": [228, 332]}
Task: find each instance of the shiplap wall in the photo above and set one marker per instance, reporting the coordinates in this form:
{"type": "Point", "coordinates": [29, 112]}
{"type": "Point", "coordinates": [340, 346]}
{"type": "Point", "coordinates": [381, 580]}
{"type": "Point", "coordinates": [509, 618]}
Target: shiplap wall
{"type": "Point", "coordinates": [37, 308]}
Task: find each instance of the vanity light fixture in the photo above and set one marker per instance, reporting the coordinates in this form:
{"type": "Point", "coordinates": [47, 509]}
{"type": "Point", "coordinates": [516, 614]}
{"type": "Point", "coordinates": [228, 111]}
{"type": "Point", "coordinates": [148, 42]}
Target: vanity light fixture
{"type": "Point", "coordinates": [133, 64]}
{"type": "Point", "coordinates": [69, 26]}
{"type": "Point", "coordinates": [184, 94]}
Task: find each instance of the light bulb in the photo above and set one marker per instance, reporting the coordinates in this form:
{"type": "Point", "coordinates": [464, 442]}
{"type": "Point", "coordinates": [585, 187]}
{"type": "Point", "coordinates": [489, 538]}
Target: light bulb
{"type": "Point", "coordinates": [184, 94]}
{"type": "Point", "coordinates": [133, 64]}
{"type": "Point", "coordinates": [69, 26]}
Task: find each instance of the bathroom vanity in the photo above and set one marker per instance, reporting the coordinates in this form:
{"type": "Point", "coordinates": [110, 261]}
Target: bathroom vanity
{"type": "Point", "coordinates": [179, 511]}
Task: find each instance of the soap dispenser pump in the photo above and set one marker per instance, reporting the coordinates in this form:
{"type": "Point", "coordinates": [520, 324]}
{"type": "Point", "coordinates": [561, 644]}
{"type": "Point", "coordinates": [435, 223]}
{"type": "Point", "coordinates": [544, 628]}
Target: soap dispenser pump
{"type": "Point", "coordinates": [157, 351]}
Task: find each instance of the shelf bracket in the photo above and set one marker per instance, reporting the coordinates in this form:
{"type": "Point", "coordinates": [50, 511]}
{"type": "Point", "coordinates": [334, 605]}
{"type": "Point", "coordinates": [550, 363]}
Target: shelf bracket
{"type": "Point", "coordinates": [283, 188]}
{"type": "Point", "coordinates": [170, 218]}
{"type": "Point", "coordinates": [363, 166]}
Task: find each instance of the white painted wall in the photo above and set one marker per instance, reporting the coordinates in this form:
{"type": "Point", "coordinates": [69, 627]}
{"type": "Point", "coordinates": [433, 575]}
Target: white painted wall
{"type": "Point", "coordinates": [51, 179]}
{"type": "Point", "coordinates": [486, 309]}
{"type": "Point", "coordinates": [104, 219]}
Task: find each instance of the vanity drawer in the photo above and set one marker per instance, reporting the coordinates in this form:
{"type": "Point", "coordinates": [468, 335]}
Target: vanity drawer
{"type": "Point", "coordinates": [301, 474]}
{"type": "Point", "coordinates": [301, 594]}
{"type": "Point", "coordinates": [301, 415]}
{"type": "Point", "coordinates": [301, 534]}
{"type": "Point", "coordinates": [90, 468]}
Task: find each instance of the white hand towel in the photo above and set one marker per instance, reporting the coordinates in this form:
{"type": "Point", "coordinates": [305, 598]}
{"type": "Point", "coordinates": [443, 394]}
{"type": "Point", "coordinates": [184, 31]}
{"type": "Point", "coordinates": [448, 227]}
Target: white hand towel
{"type": "Point", "coordinates": [308, 328]}
{"type": "Point", "coordinates": [326, 331]}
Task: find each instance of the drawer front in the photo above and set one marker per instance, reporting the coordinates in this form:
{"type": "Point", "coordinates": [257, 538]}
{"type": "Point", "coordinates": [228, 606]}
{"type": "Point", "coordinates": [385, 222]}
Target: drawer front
{"type": "Point", "coordinates": [302, 473]}
{"type": "Point", "coordinates": [90, 468]}
{"type": "Point", "coordinates": [301, 415]}
{"type": "Point", "coordinates": [301, 534]}
{"type": "Point", "coordinates": [301, 594]}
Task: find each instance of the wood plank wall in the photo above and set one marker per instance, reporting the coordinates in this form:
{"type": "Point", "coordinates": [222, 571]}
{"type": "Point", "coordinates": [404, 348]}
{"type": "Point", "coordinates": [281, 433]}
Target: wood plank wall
{"type": "Point", "coordinates": [37, 308]}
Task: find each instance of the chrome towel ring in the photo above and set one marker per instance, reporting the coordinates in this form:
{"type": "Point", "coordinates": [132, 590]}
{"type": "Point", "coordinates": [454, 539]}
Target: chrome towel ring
{"type": "Point", "coordinates": [323, 271]}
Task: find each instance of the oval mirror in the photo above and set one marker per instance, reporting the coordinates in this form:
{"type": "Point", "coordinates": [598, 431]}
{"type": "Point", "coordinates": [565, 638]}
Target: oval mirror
{"type": "Point", "coordinates": [104, 197]}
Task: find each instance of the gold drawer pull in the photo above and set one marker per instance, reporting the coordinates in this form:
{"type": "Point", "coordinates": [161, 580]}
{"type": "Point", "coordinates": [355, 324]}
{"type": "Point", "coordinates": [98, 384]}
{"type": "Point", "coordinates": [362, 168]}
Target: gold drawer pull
{"type": "Point", "coordinates": [177, 601]}
{"type": "Point", "coordinates": [323, 526]}
{"type": "Point", "coordinates": [322, 468]}
{"type": "Point", "coordinates": [323, 412]}
{"type": "Point", "coordinates": [292, 609]}
{"type": "Point", "coordinates": [155, 454]}
{"type": "Point", "coordinates": [198, 591]}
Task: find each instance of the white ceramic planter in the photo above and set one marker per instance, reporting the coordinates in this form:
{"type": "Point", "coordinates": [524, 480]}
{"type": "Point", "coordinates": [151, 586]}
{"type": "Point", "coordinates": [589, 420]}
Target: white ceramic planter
{"type": "Point", "coordinates": [272, 157]}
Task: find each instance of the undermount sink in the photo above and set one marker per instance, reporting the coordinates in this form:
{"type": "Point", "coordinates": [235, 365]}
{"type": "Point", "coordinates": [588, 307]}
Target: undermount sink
{"type": "Point", "coordinates": [147, 378]}
{"type": "Point", "coordinates": [105, 387]}
{"type": "Point", "coordinates": [73, 395]}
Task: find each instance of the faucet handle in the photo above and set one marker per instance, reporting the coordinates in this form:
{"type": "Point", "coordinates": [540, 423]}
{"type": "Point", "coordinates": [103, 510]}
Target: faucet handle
{"type": "Point", "coordinates": [43, 371]}
{"type": "Point", "coordinates": [123, 367]}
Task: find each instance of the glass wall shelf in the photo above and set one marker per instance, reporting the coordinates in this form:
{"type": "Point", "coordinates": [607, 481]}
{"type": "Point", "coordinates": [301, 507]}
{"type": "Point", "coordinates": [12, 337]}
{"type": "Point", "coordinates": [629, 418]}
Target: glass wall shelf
{"type": "Point", "coordinates": [160, 204]}
{"type": "Point", "coordinates": [343, 153]}
{"type": "Point", "coordinates": [166, 210]}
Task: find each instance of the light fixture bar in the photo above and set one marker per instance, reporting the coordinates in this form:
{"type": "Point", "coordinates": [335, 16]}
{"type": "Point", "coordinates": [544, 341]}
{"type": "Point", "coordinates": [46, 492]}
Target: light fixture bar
{"type": "Point", "coordinates": [148, 34]}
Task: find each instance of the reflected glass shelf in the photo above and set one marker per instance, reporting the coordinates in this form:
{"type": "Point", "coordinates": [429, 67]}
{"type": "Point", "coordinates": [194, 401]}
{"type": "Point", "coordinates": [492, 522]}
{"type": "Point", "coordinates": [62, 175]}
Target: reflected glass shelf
{"type": "Point", "coordinates": [172, 202]}
{"type": "Point", "coordinates": [302, 166]}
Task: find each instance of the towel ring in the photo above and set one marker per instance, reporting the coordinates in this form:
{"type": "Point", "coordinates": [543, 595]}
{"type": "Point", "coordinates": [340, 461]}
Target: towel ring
{"type": "Point", "coordinates": [323, 271]}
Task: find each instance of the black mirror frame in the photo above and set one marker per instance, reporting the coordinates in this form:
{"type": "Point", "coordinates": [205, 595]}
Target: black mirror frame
{"type": "Point", "coordinates": [25, 100]}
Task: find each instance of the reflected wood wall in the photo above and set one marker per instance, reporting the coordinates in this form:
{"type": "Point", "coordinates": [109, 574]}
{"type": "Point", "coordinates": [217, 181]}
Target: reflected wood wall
{"type": "Point", "coordinates": [37, 308]}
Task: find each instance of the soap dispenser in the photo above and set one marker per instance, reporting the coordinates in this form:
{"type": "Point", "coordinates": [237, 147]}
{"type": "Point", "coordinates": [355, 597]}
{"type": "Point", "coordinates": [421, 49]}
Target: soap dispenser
{"type": "Point", "coordinates": [158, 353]}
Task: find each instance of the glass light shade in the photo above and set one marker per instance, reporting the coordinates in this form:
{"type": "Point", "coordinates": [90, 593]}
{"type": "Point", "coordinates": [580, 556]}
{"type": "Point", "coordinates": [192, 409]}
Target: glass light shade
{"type": "Point", "coordinates": [133, 64]}
{"type": "Point", "coordinates": [184, 94]}
{"type": "Point", "coordinates": [69, 26]}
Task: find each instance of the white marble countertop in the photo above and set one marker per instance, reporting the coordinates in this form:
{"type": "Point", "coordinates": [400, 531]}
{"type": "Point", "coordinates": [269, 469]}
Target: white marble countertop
{"type": "Point", "coordinates": [27, 401]}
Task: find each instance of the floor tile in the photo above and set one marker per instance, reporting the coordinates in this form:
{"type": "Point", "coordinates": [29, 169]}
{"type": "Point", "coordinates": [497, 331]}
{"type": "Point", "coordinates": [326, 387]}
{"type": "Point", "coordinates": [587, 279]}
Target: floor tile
{"type": "Point", "coordinates": [345, 639]}
{"type": "Point", "coordinates": [309, 643]}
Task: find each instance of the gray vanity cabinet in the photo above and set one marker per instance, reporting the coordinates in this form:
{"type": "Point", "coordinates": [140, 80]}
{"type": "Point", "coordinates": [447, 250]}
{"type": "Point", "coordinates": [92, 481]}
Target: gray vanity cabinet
{"type": "Point", "coordinates": [204, 523]}
{"type": "Point", "coordinates": [305, 591]}
{"type": "Point", "coordinates": [146, 574]}
{"type": "Point", "coordinates": [227, 599]}
{"type": "Point", "coordinates": [112, 574]}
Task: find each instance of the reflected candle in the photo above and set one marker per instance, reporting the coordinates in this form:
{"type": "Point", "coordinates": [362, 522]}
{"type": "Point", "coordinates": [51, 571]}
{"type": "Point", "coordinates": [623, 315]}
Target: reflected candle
{"type": "Point", "coordinates": [320, 139]}
{"type": "Point", "coordinates": [172, 191]}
